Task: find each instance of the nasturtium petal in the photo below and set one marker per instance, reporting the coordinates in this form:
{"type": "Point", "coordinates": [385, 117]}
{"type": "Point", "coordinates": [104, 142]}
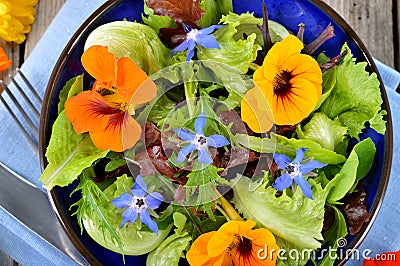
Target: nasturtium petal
{"type": "Point", "coordinates": [100, 63]}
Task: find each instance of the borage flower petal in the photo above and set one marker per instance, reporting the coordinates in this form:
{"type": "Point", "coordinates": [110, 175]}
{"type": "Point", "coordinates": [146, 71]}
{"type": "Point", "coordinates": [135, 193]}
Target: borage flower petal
{"type": "Point", "coordinates": [294, 171]}
{"type": "Point", "coordinates": [202, 37]}
{"type": "Point", "coordinates": [138, 204]}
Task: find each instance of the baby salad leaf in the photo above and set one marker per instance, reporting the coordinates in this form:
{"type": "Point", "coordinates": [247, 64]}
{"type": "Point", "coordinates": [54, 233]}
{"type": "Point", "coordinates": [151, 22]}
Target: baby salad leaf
{"type": "Point", "coordinates": [90, 206]}
{"type": "Point", "coordinates": [202, 181]}
{"type": "Point", "coordinates": [328, 83]}
{"type": "Point", "coordinates": [295, 218]}
{"type": "Point", "coordinates": [247, 24]}
{"type": "Point", "coordinates": [337, 231]}
{"type": "Point", "coordinates": [137, 41]}
{"type": "Point", "coordinates": [328, 133]}
{"type": "Point", "coordinates": [356, 167]}
{"type": "Point", "coordinates": [68, 154]}
{"type": "Point", "coordinates": [182, 11]}
{"type": "Point", "coordinates": [378, 123]}
{"type": "Point", "coordinates": [171, 249]}
{"type": "Point", "coordinates": [356, 98]}
{"type": "Point", "coordinates": [282, 145]}
{"type": "Point", "coordinates": [73, 87]}
{"type": "Point", "coordinates": [213, 11]}
{"type": "Point", "coordinates": [238, 54]}
{"type": "Point", "coordinates": [135, 242]}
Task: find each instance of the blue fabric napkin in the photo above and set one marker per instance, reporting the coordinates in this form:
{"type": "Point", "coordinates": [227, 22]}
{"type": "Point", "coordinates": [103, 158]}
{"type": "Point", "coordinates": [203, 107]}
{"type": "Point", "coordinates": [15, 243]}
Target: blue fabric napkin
{"type": "Point", "coordinates": [30, 249]}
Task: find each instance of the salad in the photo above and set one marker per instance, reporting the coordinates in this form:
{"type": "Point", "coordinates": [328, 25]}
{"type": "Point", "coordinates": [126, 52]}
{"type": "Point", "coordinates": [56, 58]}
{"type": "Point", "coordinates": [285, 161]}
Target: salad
{"type": "Point", "coordinates": [204, 137]}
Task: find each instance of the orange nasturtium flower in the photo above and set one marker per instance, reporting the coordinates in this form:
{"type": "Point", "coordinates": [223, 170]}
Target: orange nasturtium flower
{"type": "Point", "coordinates": [290, 83]}
{"type": "Point", "coordinates": [235, 243]}
{"type": "Point", "coordinates": [105, 111]}
{"type": "Point", "coordinates": [16, 17]}
{"type": "Point", "coordinates": [4, 61]}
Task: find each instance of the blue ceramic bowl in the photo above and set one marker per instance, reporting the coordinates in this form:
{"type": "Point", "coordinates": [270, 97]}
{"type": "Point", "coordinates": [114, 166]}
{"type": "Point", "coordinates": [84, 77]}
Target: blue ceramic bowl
{"type": "Point", "coordinates": [314, 13]}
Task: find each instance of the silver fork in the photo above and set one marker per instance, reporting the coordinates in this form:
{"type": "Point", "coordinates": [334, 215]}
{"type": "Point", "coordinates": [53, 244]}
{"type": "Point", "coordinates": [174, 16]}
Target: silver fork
{"type": "Point", "coordinates": [15, 191]}
{"type": "Point", "coordinates": [32, 120]}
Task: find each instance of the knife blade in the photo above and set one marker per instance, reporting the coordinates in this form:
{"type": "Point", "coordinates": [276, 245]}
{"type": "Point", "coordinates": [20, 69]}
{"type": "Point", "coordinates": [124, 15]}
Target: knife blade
{"type": "Point", "coordinates": [30, 206]}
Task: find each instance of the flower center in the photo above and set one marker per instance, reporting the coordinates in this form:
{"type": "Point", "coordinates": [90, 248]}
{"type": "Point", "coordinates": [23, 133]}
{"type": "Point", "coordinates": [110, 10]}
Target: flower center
{"type": "Point", "coordinates": [200, 141]}
{"type": "Point", "coordinates": [192, 34]}
{"type": "Point", "coordinates": [282, 84]}
{"type": "Point", "coordinates": [139, 203]}
{"type": "Point", "coordinates": [293, 169]}
{"type": "Point", "coordinates": [243, 247]}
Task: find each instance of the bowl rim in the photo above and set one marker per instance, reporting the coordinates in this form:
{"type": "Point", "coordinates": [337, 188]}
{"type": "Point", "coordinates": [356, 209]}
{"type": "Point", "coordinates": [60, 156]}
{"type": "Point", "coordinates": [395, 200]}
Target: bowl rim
{"type": "Point", "coordinates": [61, 62]}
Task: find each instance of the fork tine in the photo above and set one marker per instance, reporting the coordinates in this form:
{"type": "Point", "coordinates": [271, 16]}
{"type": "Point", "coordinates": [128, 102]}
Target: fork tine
{"type": "Point", "coordinates": [28, 101]}
{"type": "Point", "coordinates": [21, 127]}
{"type": "Point", "coordinates": [35, 94]}
{"type": "Point", "coordinates": [24, 114]}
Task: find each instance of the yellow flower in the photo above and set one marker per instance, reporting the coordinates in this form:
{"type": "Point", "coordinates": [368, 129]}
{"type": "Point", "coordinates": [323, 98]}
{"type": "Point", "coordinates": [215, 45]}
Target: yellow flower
{"type": "Point", "coordinates": [235, 243]}
{"type": "Point", "coordinates": [288, 87]}
{"type": "Point", "coordinates": [16, 17]}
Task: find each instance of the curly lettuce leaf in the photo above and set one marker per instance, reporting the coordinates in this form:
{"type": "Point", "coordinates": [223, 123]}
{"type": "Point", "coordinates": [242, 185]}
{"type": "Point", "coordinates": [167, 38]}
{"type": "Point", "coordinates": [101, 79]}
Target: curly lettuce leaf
{"type": "Point", "coordinates": [282, 145]}
{"type": "Point", "coordinates": [134, 242]}
{"type": "Point", "coordinates": [238, 54]}
{"type": "Point", "coordinates": [248, 24]}
{"type": "Point", "coordinates": [356, 97]}
{"type": "Point", "coordinates": [295, 218]}
{"type": "Point", "coordinates": [214, 10]}
{"type": "Point", "coordinates": [68, 154]}
{"type": "Point", "coordinates": [323, 130]}
{"type": "Point", "coordinates": [137, 41]}
{"type": "Point", "coordinates": [378, 123]}
{"type": "Point", "coordinates": [299, 258]}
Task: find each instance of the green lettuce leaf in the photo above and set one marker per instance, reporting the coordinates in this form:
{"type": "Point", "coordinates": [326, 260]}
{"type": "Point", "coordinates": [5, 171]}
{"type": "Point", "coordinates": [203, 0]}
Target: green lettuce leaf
{"type": "Point", "coordinates": [356, 97]}
{"type": "Point", "coordinates": [338, 230]}
{"type": "Point", "coordinates": [295, 218]}
{"type": "Point", "coordinates": [169, 252]}
{"type": "Point", "coordinates": [238, 54]}
{"type": "Point", "coordinates": [248, 24]}
{"type": "Point", "coordinates": [323, 130]}
{"type": "Point", "coordinates": [214, 10]}
{"type": "Point", "coordinates": [134, 241]}
{"type": "Point", "coordinates": [356, 166]}
{"type": "Point", "coordinates": [291, 258]}
{"type": "Point", "coordinates": [156, 22]}
{"type": "Point", "coordinates": [73, 87]}
{"type": "Point", "coordinates": [282, 145]}
{"type": "Point", "coordinates": [328, 83]}
{"type": "Point", "coordinates": [137, 41]}
{"type": "Point", "coordinates": [68, 154]}
{"type": "Point", "coordinates": [378, 123]}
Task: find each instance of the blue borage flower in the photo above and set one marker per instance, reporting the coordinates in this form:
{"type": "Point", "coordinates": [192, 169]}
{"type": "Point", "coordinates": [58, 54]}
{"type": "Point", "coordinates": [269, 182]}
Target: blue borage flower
{"type": "Point", "coordinates": [294, 171]}
{"type": "Point", "coordinates": [199, 142]}
{"type": "Point", "coordinates": [202, 37]}
{"type": "Point", "coordinates": [137, 203]}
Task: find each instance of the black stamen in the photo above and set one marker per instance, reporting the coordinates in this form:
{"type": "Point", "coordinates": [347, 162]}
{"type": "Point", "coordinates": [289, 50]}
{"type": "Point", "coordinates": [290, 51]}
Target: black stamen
{"type": "Point", "coordinates": [202, 140]}
{"type": "Point", "coordinates": [139, 202]}
{"type": "Point", "coordinates": [290, 168]}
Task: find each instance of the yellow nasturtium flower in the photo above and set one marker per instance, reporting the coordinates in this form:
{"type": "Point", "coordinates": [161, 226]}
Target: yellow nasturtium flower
{"type": "Point", "coordinates": [288, 86]}
{"type": "Point", "coordinates": [16, 17]}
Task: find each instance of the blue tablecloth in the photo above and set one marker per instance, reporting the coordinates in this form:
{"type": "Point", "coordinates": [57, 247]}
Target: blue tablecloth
{"type": "Point", "coordinates": [29, 249]}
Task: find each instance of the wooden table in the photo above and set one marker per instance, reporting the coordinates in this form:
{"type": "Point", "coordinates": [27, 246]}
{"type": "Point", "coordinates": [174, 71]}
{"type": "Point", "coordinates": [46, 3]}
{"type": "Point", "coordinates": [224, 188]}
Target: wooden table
{"type": "Point", "coordinates": [377, 22]}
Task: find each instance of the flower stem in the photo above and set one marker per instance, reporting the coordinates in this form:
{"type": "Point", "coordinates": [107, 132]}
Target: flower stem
{"type": "Point", "coordinates": [228, 208]}
{"type": "Point", "coordinates": [254, 66]}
